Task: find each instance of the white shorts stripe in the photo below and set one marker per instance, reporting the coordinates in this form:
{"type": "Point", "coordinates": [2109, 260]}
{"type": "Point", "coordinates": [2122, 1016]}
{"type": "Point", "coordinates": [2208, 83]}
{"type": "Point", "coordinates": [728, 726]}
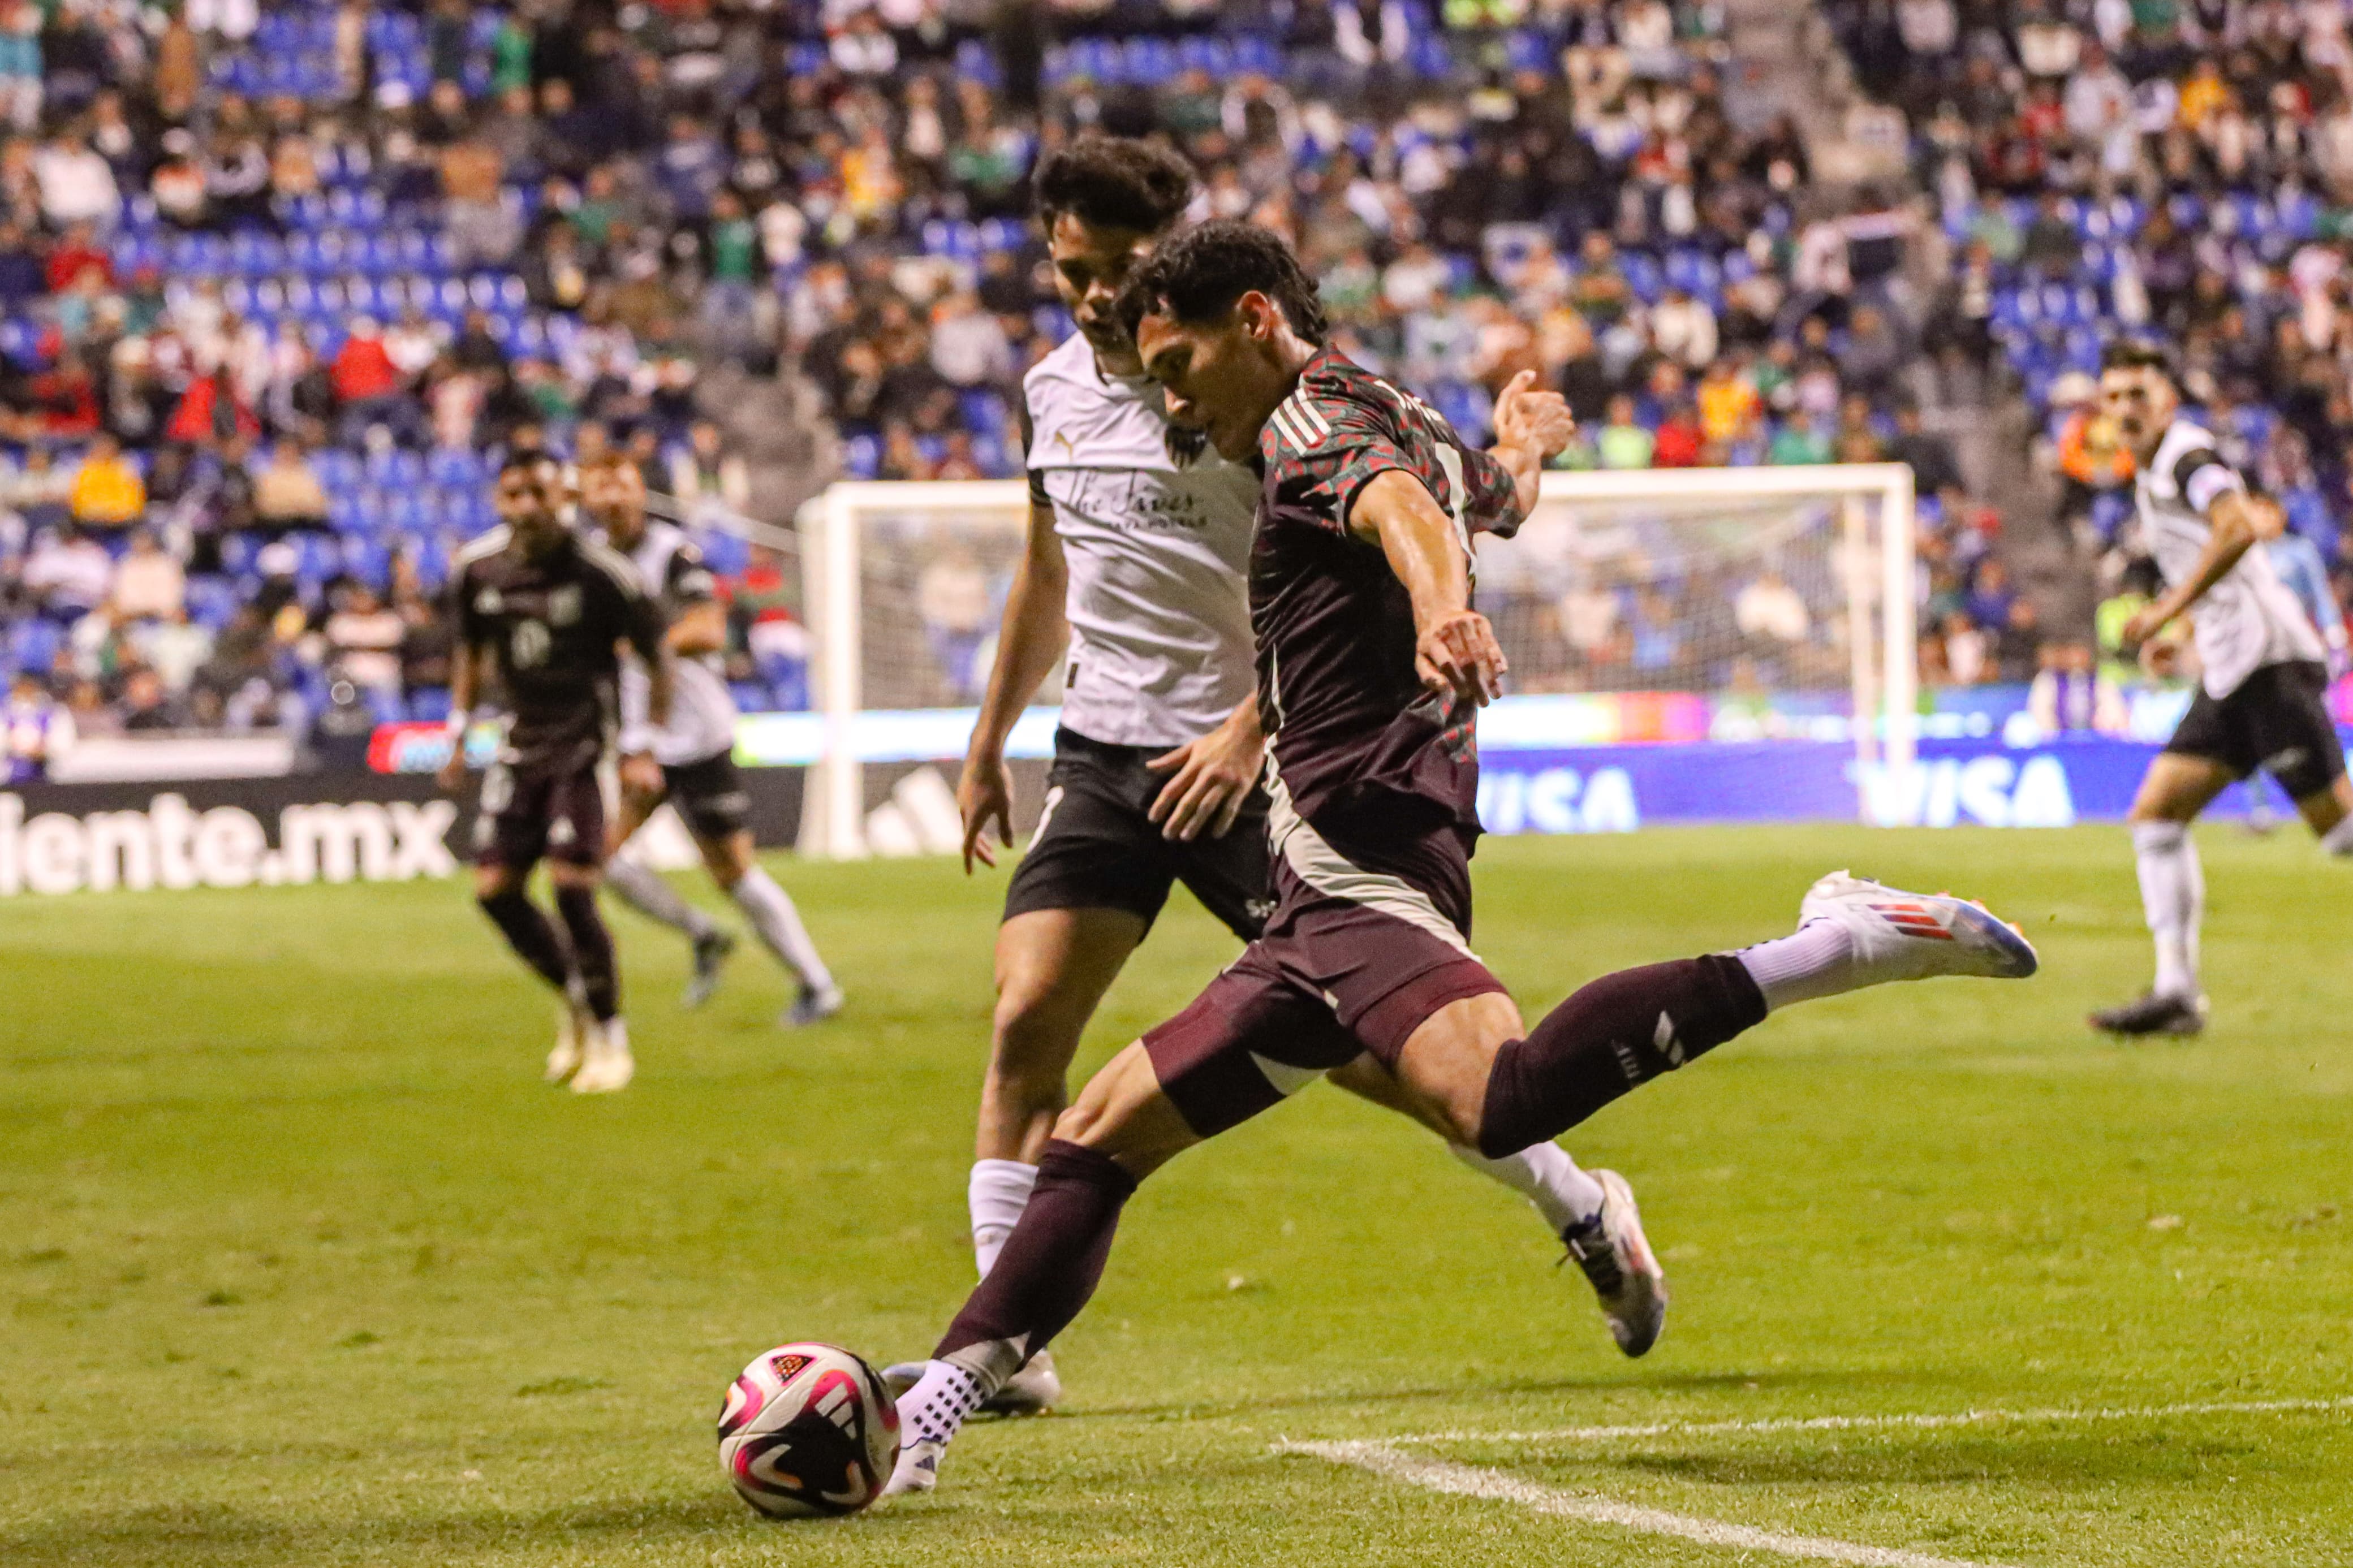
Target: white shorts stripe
{"type": "Point", "coordinates": [1312, 859]}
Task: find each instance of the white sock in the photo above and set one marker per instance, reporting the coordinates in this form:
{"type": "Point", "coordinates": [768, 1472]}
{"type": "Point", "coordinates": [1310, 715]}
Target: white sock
{"type": "Point", "coordinates": [2173, 898]}
{"type": "Point", "coordinates": [2338, 840]}
{"type": "Point", "coordinates": [936, 1406]}
{"type": "Point", "coordinates": [999, 1191]}
{"type": "Point", "coordinates": [615, 1035]}
{"type": "Point", "coordinates": [1545, 1175]}
{"type": "Point", "coordinates": [770, 909]}
{"type": "Point", "coordinates": [649, 892]}
{"type": "Point", "coordinates": [1815, 961]}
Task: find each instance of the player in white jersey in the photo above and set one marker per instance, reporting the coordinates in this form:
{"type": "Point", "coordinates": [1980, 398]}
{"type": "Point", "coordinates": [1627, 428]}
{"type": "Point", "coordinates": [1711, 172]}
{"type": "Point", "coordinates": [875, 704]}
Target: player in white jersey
{"type": "Point", "coordinates": [693, 755]}
{"type": "Point", "coordinates": [1139, 537]}
{"type": "Point", "coordinates": [2264, 672]}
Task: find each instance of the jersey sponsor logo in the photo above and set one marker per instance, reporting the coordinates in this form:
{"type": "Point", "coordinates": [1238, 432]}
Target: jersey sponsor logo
{"type": "Point", "coordinates": [563, 606]}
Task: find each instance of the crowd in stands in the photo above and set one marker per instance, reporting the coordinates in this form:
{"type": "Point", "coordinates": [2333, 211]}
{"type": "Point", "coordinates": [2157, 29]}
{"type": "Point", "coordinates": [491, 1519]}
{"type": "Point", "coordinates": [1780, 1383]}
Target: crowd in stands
{"type": "Point", "coordinates": [276, 283]}
{"type": "Point", "coordinates": [2179, 168]}
{"type": "Point", "coordinates": [1479, 189]}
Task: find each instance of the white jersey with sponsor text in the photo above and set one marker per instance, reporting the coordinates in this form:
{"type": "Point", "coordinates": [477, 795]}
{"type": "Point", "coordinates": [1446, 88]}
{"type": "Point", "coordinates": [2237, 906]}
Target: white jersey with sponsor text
{"type": "Point", "coordinates": [701, 711]}
{"type": "Point", "coordinates": [2250, 619]}
{"type": "Point", "coordinates": [1155, 529]}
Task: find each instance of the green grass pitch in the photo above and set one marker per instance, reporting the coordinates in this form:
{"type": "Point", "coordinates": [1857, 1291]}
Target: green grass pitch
{"type": "Point", "coordinates": [300, 1264]}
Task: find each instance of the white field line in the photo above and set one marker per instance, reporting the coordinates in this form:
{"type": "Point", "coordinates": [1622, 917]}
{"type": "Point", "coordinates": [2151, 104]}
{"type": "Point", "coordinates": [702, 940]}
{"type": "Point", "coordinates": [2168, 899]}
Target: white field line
{"type": "Point", "coordinates": [1468, 1481]}
{"type": "Point", "coordinates": [1928, 1422]}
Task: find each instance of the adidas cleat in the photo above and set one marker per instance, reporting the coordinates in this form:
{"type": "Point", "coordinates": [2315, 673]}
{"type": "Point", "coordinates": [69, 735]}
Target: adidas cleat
{"type": "Point", "coordinates": [712, 952]}
{"type": "Point", "coordinates": [1916, 936]}
{"type": "Point", "coordinates": [918, 1469]}
{"type": "Point", "coordinates": [2154, 1015]}
{"type": "Point", "coordinates": [1621, 1266]}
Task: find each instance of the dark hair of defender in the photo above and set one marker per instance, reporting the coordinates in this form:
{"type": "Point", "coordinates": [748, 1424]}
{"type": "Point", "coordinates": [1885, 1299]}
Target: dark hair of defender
{"type": "Point", "coordinates": [2125, 353]}
{"type": "Point", "coordinates": [1114, 181]}
{"type": "Point", "coordinates": [1197, 275]}
{"type": "Point", "coordinates": [527, 459]}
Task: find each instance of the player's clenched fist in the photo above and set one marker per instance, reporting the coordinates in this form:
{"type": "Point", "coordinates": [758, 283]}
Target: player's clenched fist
{"type": "Point", "coordinates": [1459, 656]}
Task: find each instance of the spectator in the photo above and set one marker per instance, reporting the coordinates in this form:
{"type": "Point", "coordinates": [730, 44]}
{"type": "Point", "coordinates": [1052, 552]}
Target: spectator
{"type": "Point", "coordinates": [363, 638]}
{"type": "Point", "coordinates": [147, 706]}
{"type": "Point", "coordinates": [1769, 611]}
{"type": "Point", "coordinates": [39, 731]}
{"type": "Point", "coordinates": [67, 574]}
{"type": "Point", "coordinates": [286, 493]}
{"type": "Point", "coordinates": [149, 583]}
{"type": "Point", "coordinates": [107, 491]}
{"type": "Point", "coordinates": [1623, 443]}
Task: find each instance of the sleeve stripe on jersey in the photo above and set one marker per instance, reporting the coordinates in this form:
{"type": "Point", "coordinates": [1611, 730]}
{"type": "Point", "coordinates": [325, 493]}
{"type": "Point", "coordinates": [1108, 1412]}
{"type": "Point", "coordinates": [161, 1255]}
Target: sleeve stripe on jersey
{"type": "Point", "coordinates": [1304, 408]}
{"type": "Point", "coordinates": [486, 545]}
{"type": "Point", "coordinates": [1292, 433]}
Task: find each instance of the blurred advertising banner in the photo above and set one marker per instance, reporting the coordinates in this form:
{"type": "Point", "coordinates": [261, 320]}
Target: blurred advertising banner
{"type": "Point", "coordinates": [285, 830]}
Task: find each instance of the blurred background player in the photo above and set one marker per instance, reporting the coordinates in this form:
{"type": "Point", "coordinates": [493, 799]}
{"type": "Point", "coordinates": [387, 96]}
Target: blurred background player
{"type": "Point", "coordinates": [1139, 536]}
{"type": "Point", "coordinates": [2262, 673]}
{"type": "Point", "coordinates": [1371, 668]}
{"type": "Point", "coordinates": [545, 613]}
{"type": "Point", "coordinates": [694, 754]}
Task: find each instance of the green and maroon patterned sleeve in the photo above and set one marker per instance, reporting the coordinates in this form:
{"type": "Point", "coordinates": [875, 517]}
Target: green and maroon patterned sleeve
{"type": "Point", "coordinates": [1344, 427]}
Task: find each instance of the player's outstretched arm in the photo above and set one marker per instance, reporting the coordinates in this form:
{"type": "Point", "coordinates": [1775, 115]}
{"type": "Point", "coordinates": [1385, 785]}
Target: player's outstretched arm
{"type": "Point", "coordinates": [1455, 651]}
{"type": "Point", "coordinates": [1533, 425]}
{"type": "Point", "coordinates": [2231, 535]}
{"type": "Point", "coordinates": [1030, 642]}
{"type": "Point", "coordinates": [1211, 777]}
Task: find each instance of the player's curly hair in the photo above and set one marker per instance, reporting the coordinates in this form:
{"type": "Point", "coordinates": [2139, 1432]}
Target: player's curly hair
{"type": "Point", "coordinates": [1198, 274]}
{"type": "Point", "coordinates": [1114, 181]}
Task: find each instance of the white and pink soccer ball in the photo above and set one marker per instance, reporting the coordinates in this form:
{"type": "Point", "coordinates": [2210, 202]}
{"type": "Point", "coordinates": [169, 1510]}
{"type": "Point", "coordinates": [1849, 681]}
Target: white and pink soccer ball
{"type": "Point", "coordinates": [808, 1429]}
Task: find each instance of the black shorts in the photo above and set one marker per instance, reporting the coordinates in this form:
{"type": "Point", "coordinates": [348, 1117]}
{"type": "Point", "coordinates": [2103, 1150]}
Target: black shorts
{"type": "Point", "coordinates": [1097, 848]}
{"type": "Point", "coordinates": [709, 796]}
{"type": "Point", "coordinates": [1356, 958]}
{"type": "Point", "coordinates": [2276, 721]}
{"type": "Point", "coordinates": [527, 812]}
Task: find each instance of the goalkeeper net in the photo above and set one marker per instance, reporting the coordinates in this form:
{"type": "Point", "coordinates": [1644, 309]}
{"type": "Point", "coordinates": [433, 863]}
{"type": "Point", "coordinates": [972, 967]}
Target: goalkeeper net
{"type": "Point", "coordinates": [1734, 607]}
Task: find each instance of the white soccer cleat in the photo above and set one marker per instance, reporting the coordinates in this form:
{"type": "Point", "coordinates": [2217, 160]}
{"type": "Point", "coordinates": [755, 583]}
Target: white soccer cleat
{"type": "Point", "coordinates": [605, 1064]}
{"type": "Point", "coordinates": [1621, 1266]}
{"type": "Point", "coordinates": [813, 1005]}
{"type": "Point", "coordinates": [1915, 936]}
{"type": "Point", "coordinates": [564, 1057]}
{"type": "Point", "coordinates": [1032, 1391]}
{"type": "Point", "coordinates": [918, 1469]}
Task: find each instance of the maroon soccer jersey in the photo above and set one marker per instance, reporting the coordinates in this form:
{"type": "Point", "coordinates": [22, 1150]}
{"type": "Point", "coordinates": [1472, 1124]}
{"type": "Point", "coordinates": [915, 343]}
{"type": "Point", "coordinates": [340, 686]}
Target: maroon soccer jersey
{"type": "Point", "coordinates": [1354, 731]}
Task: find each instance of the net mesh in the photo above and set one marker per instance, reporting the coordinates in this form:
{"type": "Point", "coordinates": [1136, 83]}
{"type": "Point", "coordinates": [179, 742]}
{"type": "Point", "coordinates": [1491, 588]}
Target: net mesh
{"type": "Point", "coordinates": [933, 584]}
{"type": "Point", "coordinates": [1727, 597]}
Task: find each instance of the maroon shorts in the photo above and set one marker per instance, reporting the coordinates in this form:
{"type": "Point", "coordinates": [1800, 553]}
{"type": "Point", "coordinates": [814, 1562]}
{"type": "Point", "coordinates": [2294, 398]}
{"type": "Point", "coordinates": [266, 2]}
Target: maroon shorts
{"type": "Point", "coordinates": [525, 815]}
{"type": "Point", "coordinates": [1354, 961]}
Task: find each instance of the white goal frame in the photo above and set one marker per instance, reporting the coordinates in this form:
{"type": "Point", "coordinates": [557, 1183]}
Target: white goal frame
{"type": "Point", "coordinates": [1884, 672]}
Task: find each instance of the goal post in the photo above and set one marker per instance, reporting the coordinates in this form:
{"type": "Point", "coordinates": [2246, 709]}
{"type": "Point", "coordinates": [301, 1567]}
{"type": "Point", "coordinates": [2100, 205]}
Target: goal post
{"type": "Point", "coordinates": [1779, 600]}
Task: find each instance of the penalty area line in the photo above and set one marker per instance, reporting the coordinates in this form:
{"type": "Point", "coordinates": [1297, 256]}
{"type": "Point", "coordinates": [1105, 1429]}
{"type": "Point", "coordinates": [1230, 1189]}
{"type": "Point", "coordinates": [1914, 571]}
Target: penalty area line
{"type": "Point", "coordinates": [1494, 1485]}
{"type": "Point", "coordinates": [1929, 1421]}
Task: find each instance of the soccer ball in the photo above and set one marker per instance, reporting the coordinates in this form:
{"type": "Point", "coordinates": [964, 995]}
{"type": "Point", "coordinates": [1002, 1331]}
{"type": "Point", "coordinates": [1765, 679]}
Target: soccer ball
{"type": "Point", "coordinates": [808, 1429]}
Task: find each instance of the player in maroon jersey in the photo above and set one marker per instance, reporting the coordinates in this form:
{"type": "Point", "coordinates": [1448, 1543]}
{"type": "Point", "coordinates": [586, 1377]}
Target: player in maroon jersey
{"type": "Point", "coordinates": [1372, 667]}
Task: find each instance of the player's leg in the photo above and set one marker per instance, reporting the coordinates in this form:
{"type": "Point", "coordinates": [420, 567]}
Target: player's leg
{"type": "Point", "coordinates": [1234, 880]}
{"type": "Point", "coordinates": [1185, 1081]}
{"type": "Point", "coordinates": [1592, 1213]}
{"type": "Point", "coordinates": [2178, 787]}
{"type": "Point", "coordinates": [733, 862]}
{"type": "Point", "coordinates": [1503, 1091]}
{"type": "Point", "coordinates": [646, 891]}
{"type": "Point", "coordinates": [509, 836]}
{"type": "Point", "coordinates": [2299, 741]}
{"type": "Point", "coordinates": [575, 857]}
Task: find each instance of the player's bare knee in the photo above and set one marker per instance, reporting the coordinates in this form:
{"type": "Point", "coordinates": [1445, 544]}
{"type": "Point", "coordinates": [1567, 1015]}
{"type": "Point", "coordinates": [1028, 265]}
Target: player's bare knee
{"type": "Point", "coordinates": [491, 882]}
